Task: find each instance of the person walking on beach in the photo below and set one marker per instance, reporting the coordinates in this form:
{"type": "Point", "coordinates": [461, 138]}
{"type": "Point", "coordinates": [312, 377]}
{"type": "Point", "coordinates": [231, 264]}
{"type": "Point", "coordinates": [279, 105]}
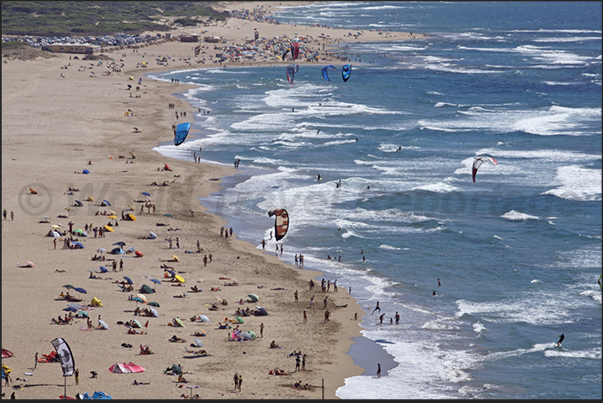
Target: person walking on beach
{"type": "Point", "coordinates": [312, 301]}
{"type": "Point", "coordinates": [305, 317]}
{"type": "Point", "coordinates": [263, 244]}
{"type": "Point", "coordinates": [204, 260]}
{"type": "Point", "coordinates": [377, 308]}
{"type": "Point", "coordinates": [381, 318]}
{"type": "Point", "coordinates": [4, 213]}
{"type": "Point", "coordinates": [12, 216]}
{"type": "Point", "coordinates": [303, 362]}
{"type": "Point", "coordinates": [240, 381]}
{"type": "Point", "coordinates": [297, 363]}
{"type": "Point", "coordinates": [327, 315]}
{"type": "Point", "coordinates": [335, 286]}
{"type": "Point", "coordinates": [55, 243]}
{"type": "Point", "coordinates": [378, 370]}
{"type": "Point", "coordinates": [177, 243]}
{"type": "Point", "coordinates": [77, 376]}
{"type": "Point", "coordinates": [261, 330]}
{"type": "Point", "coordinates": [236, 381]}
{"type": "Point", "coordinates": [325, 302]}
{"type": "Point", "coordinates": [121, 265]}
{"type": "Point", "coordinates": [296, 296]}
{"type": "Point", "coordinates": [36, 363]}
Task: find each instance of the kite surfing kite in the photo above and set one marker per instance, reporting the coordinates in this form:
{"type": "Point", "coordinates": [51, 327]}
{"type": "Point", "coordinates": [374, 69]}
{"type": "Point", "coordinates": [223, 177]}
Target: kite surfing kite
{"type": "Point", "coordinates": [346, 71]}
{"type": "Point", "coordinates": [478, 163]}
{"type": "Point", "coordinates": [325, 70]}
{"type": "Point", "coordinates": [281, 222]}
{"type": "Point", "coordinates": [181, 132]}
{"type": "Point", "coordinates": [291, 70]}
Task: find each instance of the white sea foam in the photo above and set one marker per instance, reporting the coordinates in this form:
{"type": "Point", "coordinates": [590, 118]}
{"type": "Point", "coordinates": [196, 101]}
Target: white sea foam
{"type": "Point", "coordinates": [593, 353]}
{"type": "Point", "coordinates": [517, 216]}
{"type": "Point", "coordinates": [577, 183]}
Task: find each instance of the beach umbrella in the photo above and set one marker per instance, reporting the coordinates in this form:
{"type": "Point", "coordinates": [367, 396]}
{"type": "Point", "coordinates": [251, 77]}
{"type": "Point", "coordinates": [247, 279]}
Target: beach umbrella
{"type": "Point", "coordinates": [172, 272]}
{"type": "Point", "coordinates": [130, 249]}
{"type": "Point", "coordinates": [83, 313]}
{"type": "Point", "coordinates": [78, 203]}
{"type": "Point", "coordinates": [80, 290]}
{"type": "Point", "coordinates": [167, 215]}
{"type": "Point", "coordinates": [112, 212]}
{"type": "Point", "coordinates": [154, 312]}
{"type": "Point", "coordinates": [175, 258]}
{"type": "Point", "coordinates": [80, 232]}
{"type": "Point", "coordinates": [68, 286]}
{"type": "Point", "coordinates": [154, 280]}
{"type": "Point", "coordinates": [152, 235]}
{"type": "Point", "coordinates": [138, 253]}
{"type": "Point", "coordinates": [55, 234]}
{"type": "Point", "coordinates": [131, 153]}
{"type": "Point", "coordinates": [179, 278]}
{"type": "Point", "coordinates": [69, 308]}
{"type": "Point", "coordinates": [106, 203]}
{"type": "Point", "coordinates": [90, 198]}
{"type": "Point", "coordinates": [191, 387]}
{"type": "Point", "coordinates": [131, 207]}
{"type": "Point", "coordinates": [154, 304]}
{"type": "Point", "coordinates": [132, 217]}
{"type": "Point", "coordinates": [128, 280]}
{"type": "Point", "coordinates": [253, 297]}
{"type": "Point", "coordinates": [137, 323]}
{"type": "Point", "coordinates": [103, 269]}
{"type": "Point", "coordinates": [30, 264]}
{"type": "Point", "coordinates": [178, 321]}
{"type": "Point", "coordinates": [198, 343]}
{"type": "Point", "coordinates": [146, 289]}
{"type": "Point", "coordinates": [113, 217]}
{"type": "Point", "coordinates": [108, 228]}
{"type": "Point", "coordinates": [120, 243]}
{"type": "Point", "coordinates": [101, 250]}
{"type": "Point", "coordinates": [33, 191]}
{"type": "Point", "coordinates": [6, 353]}
{"type": "Point", "coordinates": [78, 245]}
{"type": "Point", "coordinates": [85, 171]}
{"type": "Point", "coordinates": [146, 193]}
{"type": "Point", "coordinates": [55, 226]}
{"type": "Point", "coordinates": [117, 251]}
{"type": "Point", "coordinates": [136, 299]}
{"type": "Point", "coordinates": [68, 208]}
{"type": "Point", "coordinates": [103, 324]}
{"type": "Point", "coordinates": [142, 297]}
{"type": "Point", "coordinates": [204, 318]}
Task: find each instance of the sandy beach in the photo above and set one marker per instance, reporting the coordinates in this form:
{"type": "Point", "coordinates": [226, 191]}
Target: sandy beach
{"type": "Point", "coordinates": [58, 122]}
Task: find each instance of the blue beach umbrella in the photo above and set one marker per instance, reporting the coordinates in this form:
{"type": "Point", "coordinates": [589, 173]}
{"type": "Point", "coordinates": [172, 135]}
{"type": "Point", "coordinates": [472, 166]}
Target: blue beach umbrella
{"type": "Point", "coordinates": [120, 243]}
{"type": "Point", "coordinates": [69, 308]}
{"type": "Point", "coordinates": [106, 202]}
{"type": "Point", "coordinates": [146, 194]}
{"type": "Point", "coordinates": [154, 280]}
{"type": "Point", "coordinates": [129, 280]}
{"type": "Point", "coordinates": [80, 289]}
{"type": "Point", "coordinates": [103, 269]}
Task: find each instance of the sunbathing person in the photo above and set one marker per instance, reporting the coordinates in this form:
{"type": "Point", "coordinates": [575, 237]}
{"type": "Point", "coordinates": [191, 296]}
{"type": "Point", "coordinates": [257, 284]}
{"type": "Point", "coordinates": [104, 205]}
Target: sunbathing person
{"type": "Point", "coordinates": [274, 345]}
{"type": "Point", "coordinates": [199, 334]}
{"type": "Point", "coordinates": [181, 379]}
{"type": "Point", "coordinates": [195, 289]}
{"type": "Point", "coordinates": [223, 325]}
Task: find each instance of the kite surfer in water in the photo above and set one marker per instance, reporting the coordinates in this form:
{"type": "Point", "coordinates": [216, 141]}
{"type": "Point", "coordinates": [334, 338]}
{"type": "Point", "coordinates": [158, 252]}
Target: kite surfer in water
{"type": "Point", "coordinates": [561, 337]}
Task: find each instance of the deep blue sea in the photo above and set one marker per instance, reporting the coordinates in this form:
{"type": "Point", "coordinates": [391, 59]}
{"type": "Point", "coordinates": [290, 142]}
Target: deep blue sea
{"type": "Point", "coordinates": [518, 252]}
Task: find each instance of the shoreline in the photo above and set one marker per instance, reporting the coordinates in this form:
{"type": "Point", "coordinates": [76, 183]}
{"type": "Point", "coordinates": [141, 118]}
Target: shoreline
{"type": "Point", "coordinates": [26, 86]}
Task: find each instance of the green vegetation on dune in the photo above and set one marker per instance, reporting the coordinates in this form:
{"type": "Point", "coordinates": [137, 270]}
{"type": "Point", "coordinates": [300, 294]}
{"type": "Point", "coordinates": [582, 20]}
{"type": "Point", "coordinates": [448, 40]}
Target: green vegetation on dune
{"type": "Point", "coordinates": [71, 18]}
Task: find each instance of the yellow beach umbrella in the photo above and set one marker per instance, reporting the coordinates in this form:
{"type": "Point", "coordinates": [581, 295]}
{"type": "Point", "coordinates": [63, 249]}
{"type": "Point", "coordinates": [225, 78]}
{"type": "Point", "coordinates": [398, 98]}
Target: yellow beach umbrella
{"type": "Point", "coordinates": [132, 217]}
{"type": "Point", "coordinates": [175, 258]}
{"type": "Point", "coordinates": [179, 278]}
{"type": "Point", "coordinates": [108, 228]}
{"type": "Point", "coordinates": [90, 198]}
{"type": "Point", "coordinates": [55, 226]}
{"type": "Point", "coordinates": [113, 217]}
{"type": "Point", "coordinates": [131, 207]}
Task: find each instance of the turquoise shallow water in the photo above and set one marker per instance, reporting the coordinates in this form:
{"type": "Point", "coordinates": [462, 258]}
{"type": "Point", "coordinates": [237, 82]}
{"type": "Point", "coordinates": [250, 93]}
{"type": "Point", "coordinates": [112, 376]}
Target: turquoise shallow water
{"type": "Point", "coordinates": [518, 252]}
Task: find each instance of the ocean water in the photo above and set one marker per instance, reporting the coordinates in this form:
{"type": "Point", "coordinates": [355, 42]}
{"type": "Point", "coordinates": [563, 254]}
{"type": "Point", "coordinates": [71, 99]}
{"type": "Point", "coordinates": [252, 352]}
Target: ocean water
{"type": "Point", "coordinates": [518, 252]}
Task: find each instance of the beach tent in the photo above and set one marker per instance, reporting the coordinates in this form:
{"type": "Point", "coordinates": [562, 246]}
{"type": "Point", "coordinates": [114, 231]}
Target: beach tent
{"type": "Point", "coordinates": [105, 203]}
{"type": "Point", "coordinates": [262, 311]}
{"type": "Point", "coordinates": [80, 232]}
{"type": "Point", "coordinates": [146, 289]}
{"type": "Point", "coordinates": [96, 302]}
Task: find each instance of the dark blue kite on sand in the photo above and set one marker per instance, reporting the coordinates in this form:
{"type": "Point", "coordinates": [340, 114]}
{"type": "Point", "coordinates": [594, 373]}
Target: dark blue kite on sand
{"type": "Point", "coordinates": [325, 70]}
{"type": "Point", "coordinates": [181, 132]}
{"type": "Point", "coordinates": [346, 71]}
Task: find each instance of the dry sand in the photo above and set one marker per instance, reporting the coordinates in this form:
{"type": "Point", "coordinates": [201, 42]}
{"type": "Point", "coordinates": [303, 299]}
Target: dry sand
{"type": "Point", "coordinates": [51, 128]}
